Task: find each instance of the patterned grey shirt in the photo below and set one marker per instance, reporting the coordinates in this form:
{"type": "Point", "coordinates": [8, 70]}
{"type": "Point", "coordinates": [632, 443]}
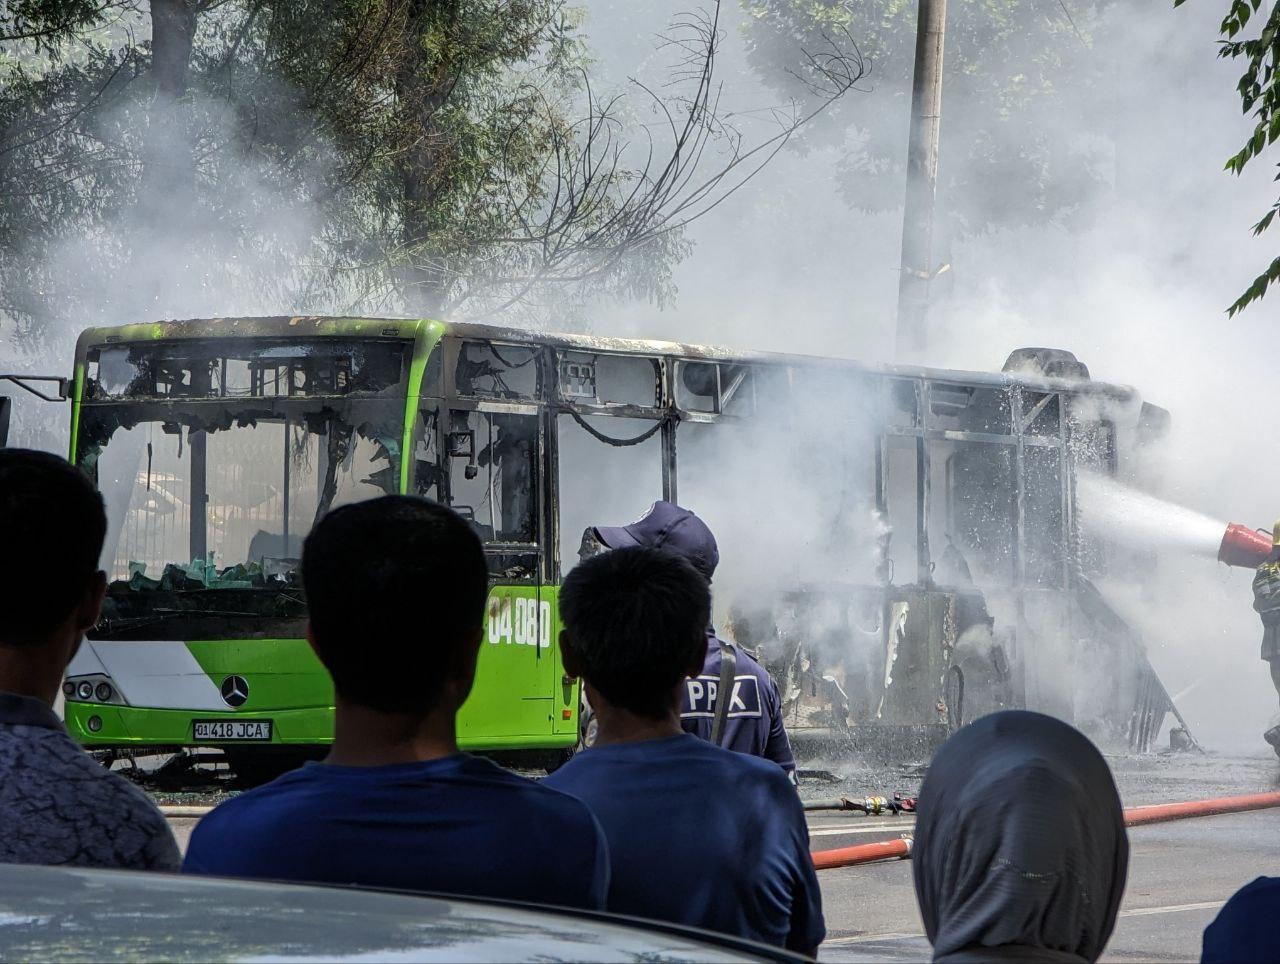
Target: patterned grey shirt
{"type": "Point", "coordinates": [60, 806]}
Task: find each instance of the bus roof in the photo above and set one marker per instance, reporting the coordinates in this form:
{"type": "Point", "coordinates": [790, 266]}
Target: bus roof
{"type": "Point", "coordinates": [324, 326]}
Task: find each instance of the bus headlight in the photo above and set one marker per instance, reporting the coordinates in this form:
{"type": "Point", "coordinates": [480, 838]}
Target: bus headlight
{"type": "Point", "coordinates": [93, 688]}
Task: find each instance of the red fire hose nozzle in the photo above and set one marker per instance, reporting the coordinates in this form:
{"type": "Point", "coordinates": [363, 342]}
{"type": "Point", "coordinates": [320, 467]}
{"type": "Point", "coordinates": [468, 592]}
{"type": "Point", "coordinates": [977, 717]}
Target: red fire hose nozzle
{"type": "Point", "coordinates": [1244, 547]}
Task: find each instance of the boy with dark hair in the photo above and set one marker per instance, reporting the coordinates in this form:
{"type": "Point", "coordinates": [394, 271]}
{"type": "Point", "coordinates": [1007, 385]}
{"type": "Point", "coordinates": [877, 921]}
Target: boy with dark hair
{"type": "Point", "coordinates": [57, 804]}
{"type": "Point", "coordinates": [698, 835]}
{"type": "Point", "coordinates": [396, 590]}
{"type": "Point", "coordinates": [749, 718]}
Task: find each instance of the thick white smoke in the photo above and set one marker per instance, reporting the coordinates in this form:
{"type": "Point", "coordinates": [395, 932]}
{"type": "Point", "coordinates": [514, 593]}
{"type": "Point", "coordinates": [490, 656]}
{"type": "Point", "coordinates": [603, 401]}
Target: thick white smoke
{"type": "Point", "coordinates": [1136, 286]}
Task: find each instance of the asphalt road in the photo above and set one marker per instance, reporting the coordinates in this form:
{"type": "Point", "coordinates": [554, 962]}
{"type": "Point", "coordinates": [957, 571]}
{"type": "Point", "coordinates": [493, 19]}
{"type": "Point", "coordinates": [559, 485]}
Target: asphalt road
{"type": "Point", "coordinates": [1179, 873]}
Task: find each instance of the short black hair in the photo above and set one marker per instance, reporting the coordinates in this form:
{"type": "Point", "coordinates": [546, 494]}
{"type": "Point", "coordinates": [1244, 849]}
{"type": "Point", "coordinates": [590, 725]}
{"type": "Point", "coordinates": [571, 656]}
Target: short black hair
{"type": "Point", "coordinates": [52, 526]}
{"type": "Point", "coordinates": [636, 618]}
{"type": "Point", "coordinates": [394, 587]}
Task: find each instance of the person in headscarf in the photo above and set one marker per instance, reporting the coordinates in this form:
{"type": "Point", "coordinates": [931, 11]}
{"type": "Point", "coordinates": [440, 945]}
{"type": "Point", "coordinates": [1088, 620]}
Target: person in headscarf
{"type": "Point", "coordinates": [1020, 849]}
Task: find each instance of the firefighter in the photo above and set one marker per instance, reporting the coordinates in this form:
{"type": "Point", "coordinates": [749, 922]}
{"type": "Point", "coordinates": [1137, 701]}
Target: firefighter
{"type": "Point", "coordinates": [1266, 600]}
{"type": "Point", "coordinates": [750, 721]}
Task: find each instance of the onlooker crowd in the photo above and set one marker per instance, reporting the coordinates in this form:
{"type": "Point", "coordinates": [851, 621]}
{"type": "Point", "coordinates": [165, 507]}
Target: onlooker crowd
{"type": "Point", "coordinates": [1020, 846]}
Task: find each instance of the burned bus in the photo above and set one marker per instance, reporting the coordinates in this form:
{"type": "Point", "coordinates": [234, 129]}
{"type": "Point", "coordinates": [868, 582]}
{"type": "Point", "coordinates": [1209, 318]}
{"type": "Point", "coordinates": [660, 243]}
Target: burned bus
{"type": "Point", "coordinates": [900, 544]}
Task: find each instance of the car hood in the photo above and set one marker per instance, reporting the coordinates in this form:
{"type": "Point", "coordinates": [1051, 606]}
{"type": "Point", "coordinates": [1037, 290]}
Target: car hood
{"type": "Point", "coordinates": [74, 914]}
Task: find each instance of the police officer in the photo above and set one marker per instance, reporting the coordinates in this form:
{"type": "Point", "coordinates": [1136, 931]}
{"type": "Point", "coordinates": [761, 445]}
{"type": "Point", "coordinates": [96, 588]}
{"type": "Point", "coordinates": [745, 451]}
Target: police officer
{"type": "Point", "coordinates": [750, 720]}
{"type": "Point", "coordinates": [1266, 600]}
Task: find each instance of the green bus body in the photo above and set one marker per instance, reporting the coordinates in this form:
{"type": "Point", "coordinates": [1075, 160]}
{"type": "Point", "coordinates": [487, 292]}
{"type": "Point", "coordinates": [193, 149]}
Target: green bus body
{"type": "Point", "coordinates": [521, 698]}
{"type": "Point", "coordinates": [834, 487]}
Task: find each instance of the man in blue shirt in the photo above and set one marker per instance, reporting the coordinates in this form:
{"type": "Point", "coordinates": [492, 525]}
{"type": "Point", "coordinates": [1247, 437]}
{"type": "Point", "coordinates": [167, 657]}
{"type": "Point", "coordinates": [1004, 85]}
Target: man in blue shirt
{"type": "Point", "coordinates": [697, 834]}
{"type": "Point", "coordinates": [751, 720]}
{"type": "Point", "coordinates": [396, 589]}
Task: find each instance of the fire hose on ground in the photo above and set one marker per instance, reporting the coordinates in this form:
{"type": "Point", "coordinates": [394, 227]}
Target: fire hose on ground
{"type": "Point", "coordinates": [871, 806]}
{"type": "Point", "coordinates": [1133, 817]}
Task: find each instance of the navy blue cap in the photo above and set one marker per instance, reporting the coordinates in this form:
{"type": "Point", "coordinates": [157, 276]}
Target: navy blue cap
{"type": "Point", "coordinates": [670, 527]}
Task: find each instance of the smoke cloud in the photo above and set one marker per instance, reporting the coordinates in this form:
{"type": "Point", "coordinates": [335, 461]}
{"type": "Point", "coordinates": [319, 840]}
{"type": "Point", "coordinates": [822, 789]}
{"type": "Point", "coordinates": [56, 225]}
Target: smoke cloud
{"type": "Point", "coordinates": [1135, 284]}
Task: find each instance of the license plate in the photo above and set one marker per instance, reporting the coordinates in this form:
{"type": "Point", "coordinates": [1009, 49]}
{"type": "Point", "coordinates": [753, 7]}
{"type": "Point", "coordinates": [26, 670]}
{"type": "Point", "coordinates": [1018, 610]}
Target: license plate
{"type": "Point", "coordinates": [219, 730]}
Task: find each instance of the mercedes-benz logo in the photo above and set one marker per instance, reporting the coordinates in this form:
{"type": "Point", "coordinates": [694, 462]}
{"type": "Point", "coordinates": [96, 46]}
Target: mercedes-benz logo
{"type": "Point", "coordinates": [235, 691]}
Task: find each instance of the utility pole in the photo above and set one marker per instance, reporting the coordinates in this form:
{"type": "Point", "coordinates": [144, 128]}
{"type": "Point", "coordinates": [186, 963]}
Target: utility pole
{"type": "Point", "coordinates": [922, 179]}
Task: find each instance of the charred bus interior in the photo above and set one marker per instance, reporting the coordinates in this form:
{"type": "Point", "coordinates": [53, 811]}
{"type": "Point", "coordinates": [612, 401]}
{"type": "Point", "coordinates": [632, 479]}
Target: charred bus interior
{"type": "Point", "coordinates": [900, 548]}
{"type": "Point", "coordinates": [216, 459]}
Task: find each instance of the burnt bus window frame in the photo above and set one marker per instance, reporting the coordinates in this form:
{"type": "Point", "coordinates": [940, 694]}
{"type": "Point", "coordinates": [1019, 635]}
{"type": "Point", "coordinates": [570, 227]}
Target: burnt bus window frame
{"type": "Point", "coordinates": [916, 421]}
{"type": "Point", "coordinates": [572, 403]}
{"type": "Point", "coordinates": [578, 362]}
{"type": "Point", "coordinates": [292, 354]}
{"type": "Point", "coordinates": [250, 613]}
{"type": "Point", "coordinates": [1031, 411]}
{"type": "Point", "coordinates": [435, 414]}
{"type": "Point", "coordinates": [577, 407]}
{"type": "Point", "coordinates": [733, 381]}
{"type": "Point", "coordinates": [934, 416]}
{"type": "Point", "coordinates": [927, 438]}
{"type": "Point", "coordinates": [742, 383]}
{"type": "Point", "coordinates": [452, 349]}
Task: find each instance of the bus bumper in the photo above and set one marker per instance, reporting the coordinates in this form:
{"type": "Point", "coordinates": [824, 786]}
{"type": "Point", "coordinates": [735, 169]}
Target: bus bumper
{"type": "Point", "coordinates": [103, 725]}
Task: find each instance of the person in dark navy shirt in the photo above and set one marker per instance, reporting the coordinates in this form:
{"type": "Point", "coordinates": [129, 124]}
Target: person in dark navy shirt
{"type": "Point", "coordinates": [698, 835]}
{"type": "Point", "coordinates": [1245, 929]}
{"type": "Point", "coordinates": [753, 718]}
{"type": "Point", "coordinates": [396, 589]}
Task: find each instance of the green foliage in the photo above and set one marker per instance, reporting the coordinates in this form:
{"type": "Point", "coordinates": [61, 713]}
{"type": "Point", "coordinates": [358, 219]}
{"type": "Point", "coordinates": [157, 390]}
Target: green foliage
{"type": "Point", "coordinates": [443, 115]}
{"type": "Point", "coordinates": [1259, 89]}
{"type": "Point", "coordinates": [1015, 75]}
{"type": "Point", "coordinates": [374, 155]}
{"type": "Point", "coordinates": [416, 156]}
{"type": "Point", "coordinates": [88, 233]}
{"type": "Point", "coordinates": [45, 25]}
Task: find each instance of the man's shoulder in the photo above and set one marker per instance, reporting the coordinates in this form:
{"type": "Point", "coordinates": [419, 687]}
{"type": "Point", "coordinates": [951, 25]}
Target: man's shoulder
{"type": "Point", "coordinates": [555, 791]}
{"type": "Point", "coordinates": [290, 791]}
{"type": "Point", "coordinates": [745, 661]}
{"type": "Point", "coordinates": [105, 820]}
{"type": "Point", "coordinates": [753, 665]}
{"type": "Point", "coordinates": [722, 763]}
{"type": "Point", "coordinates": [572, 772]}
{"type": "Point", "coordinates": [52, 757]}
{"type": "Point", "coordinates": [746, 766]}
{"type": "Point", "coordinates": [303, 791]}
{"type": "Point", "coordinates": [502, 780]}
{"type": "Point", "coordinates": [131, 795]}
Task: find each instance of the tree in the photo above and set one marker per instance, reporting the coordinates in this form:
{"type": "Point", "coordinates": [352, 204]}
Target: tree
{"type": "Point", "coordinates": [1011, 151]}
{"type": "Point", "coordinates": [420, 156]}
{"type": "Point", "coordinates": [507, 171]}
{"type": "Point", "coordinates": [1259, 89]}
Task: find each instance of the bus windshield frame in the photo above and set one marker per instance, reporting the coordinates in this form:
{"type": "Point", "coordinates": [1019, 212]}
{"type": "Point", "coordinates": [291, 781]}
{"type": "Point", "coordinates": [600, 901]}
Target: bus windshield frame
{"type": "Point", "coordinates": [215, 458]}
